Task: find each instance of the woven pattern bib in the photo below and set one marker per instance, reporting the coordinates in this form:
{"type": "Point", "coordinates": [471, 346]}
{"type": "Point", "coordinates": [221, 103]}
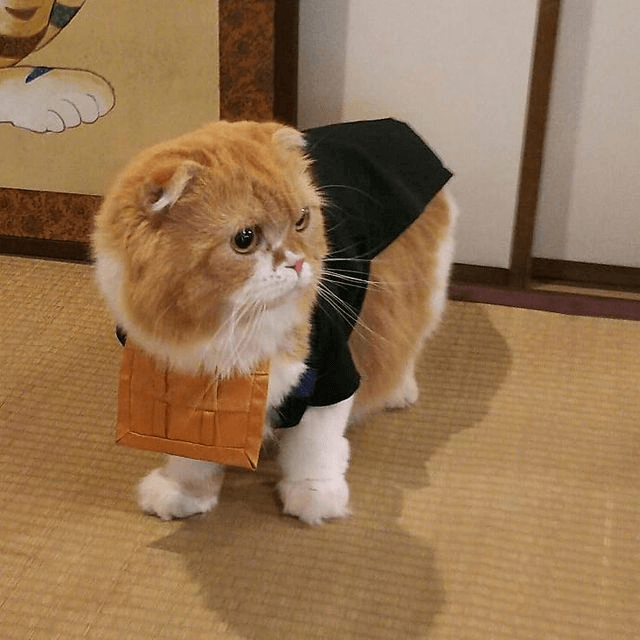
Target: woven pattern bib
{"type": "Point", "coordinates": [191, 416]}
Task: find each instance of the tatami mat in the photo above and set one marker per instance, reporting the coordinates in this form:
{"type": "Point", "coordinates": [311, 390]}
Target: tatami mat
{"type": "Point", "coordinates": [505, 505]}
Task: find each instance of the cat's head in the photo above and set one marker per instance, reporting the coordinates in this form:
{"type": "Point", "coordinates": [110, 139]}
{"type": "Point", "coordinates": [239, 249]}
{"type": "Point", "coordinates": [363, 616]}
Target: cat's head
{"type": "Point", "coordinates": [208, 230]}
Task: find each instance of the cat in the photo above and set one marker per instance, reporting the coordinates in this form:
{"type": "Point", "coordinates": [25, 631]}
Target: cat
{"type": "Point", "coordinates": [214, 252]}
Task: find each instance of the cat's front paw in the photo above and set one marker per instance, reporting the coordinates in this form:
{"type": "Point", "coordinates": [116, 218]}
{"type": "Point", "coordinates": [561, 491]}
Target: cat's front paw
{"type": "Point", "coordinates": [314, 501]}
{"type": "Point", "coordinates": [165, 497]}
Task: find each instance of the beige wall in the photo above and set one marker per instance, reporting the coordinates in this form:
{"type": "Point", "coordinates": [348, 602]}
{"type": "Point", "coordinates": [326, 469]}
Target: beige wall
{"type": "Point", "coordinates": [456, 70]}
{"type": "Point", "coordinates": [590, 194]}
{"type": "Point", "coordinates": [161, 57]}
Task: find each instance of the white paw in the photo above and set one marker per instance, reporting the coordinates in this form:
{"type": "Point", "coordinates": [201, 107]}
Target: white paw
{"type": "Point", "coordinates": [314, 501]}
{"type": "Point", "coordinates": [405, 395]}
{"type": "Point", "coordinates": [52, 100]}
{"type": "Point", "coordinates": [166, 498]}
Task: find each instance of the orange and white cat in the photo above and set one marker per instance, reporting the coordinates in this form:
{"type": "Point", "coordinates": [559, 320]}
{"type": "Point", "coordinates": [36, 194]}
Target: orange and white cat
{"type": "Point", "coordinates": [211, 251]}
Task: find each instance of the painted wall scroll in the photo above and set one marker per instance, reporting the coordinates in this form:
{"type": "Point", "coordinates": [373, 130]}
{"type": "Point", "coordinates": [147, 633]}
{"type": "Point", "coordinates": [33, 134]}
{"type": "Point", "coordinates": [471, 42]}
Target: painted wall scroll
{"type": "Point", "coordinates": [136, 72]}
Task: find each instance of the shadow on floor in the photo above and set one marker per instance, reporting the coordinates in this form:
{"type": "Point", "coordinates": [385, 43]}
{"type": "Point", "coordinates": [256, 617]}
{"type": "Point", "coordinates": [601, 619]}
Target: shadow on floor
{"type": "Point", "coordinates": [269, 577]}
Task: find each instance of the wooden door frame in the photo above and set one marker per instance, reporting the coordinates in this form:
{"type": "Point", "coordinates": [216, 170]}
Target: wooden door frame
{"type": "Point", "coordinates": [535, 132]}
{"type": "Point", "coordinates": [522, 283]}
{"type": "Point", "coordinates": [518, 274]}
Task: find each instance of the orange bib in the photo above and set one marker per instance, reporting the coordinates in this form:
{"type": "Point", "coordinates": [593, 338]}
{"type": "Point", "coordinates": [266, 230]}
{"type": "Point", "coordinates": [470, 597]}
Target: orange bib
{"type": "Point", "coordinates": [191, 416]}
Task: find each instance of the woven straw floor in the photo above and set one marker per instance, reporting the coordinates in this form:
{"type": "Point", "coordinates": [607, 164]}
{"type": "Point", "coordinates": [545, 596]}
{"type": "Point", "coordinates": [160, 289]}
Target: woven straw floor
{"type": "Point", "coordinates": [505, 505]}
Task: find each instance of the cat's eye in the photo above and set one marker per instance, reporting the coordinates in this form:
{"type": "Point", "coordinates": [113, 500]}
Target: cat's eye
{"type": "Point", "coordinates": [246, 240]}
{"type": "Point", "coordinates": [303, 221]}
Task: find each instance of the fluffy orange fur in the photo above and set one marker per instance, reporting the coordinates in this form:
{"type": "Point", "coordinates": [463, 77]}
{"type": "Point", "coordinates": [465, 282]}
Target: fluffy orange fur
{"type": "Point", "coordinates": [179, 268]}
{"type": "Point", "coordinates": [169, 219]}
{"type": "Point", "coordinates": [401, 308]}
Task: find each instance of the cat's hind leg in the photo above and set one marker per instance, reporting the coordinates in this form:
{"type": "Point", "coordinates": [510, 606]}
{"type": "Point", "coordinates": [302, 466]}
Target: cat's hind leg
{"type": "Point", "coordinates": [407, 392]}
{"type": "Point", "coordinates": [181, 488]}
{"type": "Point", "coordinates": [402, 308]}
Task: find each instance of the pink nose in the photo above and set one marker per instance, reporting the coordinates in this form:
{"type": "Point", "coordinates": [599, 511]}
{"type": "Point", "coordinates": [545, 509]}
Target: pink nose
{"type": "Point", "coordinates": [298, 266]}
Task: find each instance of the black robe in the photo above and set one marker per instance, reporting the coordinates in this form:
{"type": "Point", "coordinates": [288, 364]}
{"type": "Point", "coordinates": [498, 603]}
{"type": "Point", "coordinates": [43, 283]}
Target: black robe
{"type": "Point", "coordinates": [377, 177]}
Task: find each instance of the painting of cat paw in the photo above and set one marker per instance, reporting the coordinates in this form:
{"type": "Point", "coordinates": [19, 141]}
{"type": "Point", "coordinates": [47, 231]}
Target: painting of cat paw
{"type": "Point", "coordinates": [44, 100]}
{"type": "Point", "coordinates": [165, 497]}
{"type": "Point", "coordinates": [314, 501]}
{"type": "Point", "coordinates": [38, 98]}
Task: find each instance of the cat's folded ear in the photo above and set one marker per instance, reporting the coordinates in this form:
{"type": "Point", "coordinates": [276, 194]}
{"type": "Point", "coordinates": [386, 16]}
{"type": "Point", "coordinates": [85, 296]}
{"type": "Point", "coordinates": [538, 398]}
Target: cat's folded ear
{"type": "Point", "coordinates": [168, 185]}
{"type": "Point", "coordinates": [289, 139]}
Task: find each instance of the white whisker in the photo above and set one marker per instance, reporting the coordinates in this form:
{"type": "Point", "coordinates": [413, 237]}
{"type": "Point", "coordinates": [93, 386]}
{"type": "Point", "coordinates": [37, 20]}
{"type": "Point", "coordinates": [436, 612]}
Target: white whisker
{"type": "Point", "coordinates": [347, 312]}
{"type": "Point", "coordinates": [226, 335]}
{"type": "Point", "coordinates": [347, 187]}
{"type": "Point", "coordinates": [329, 275]}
